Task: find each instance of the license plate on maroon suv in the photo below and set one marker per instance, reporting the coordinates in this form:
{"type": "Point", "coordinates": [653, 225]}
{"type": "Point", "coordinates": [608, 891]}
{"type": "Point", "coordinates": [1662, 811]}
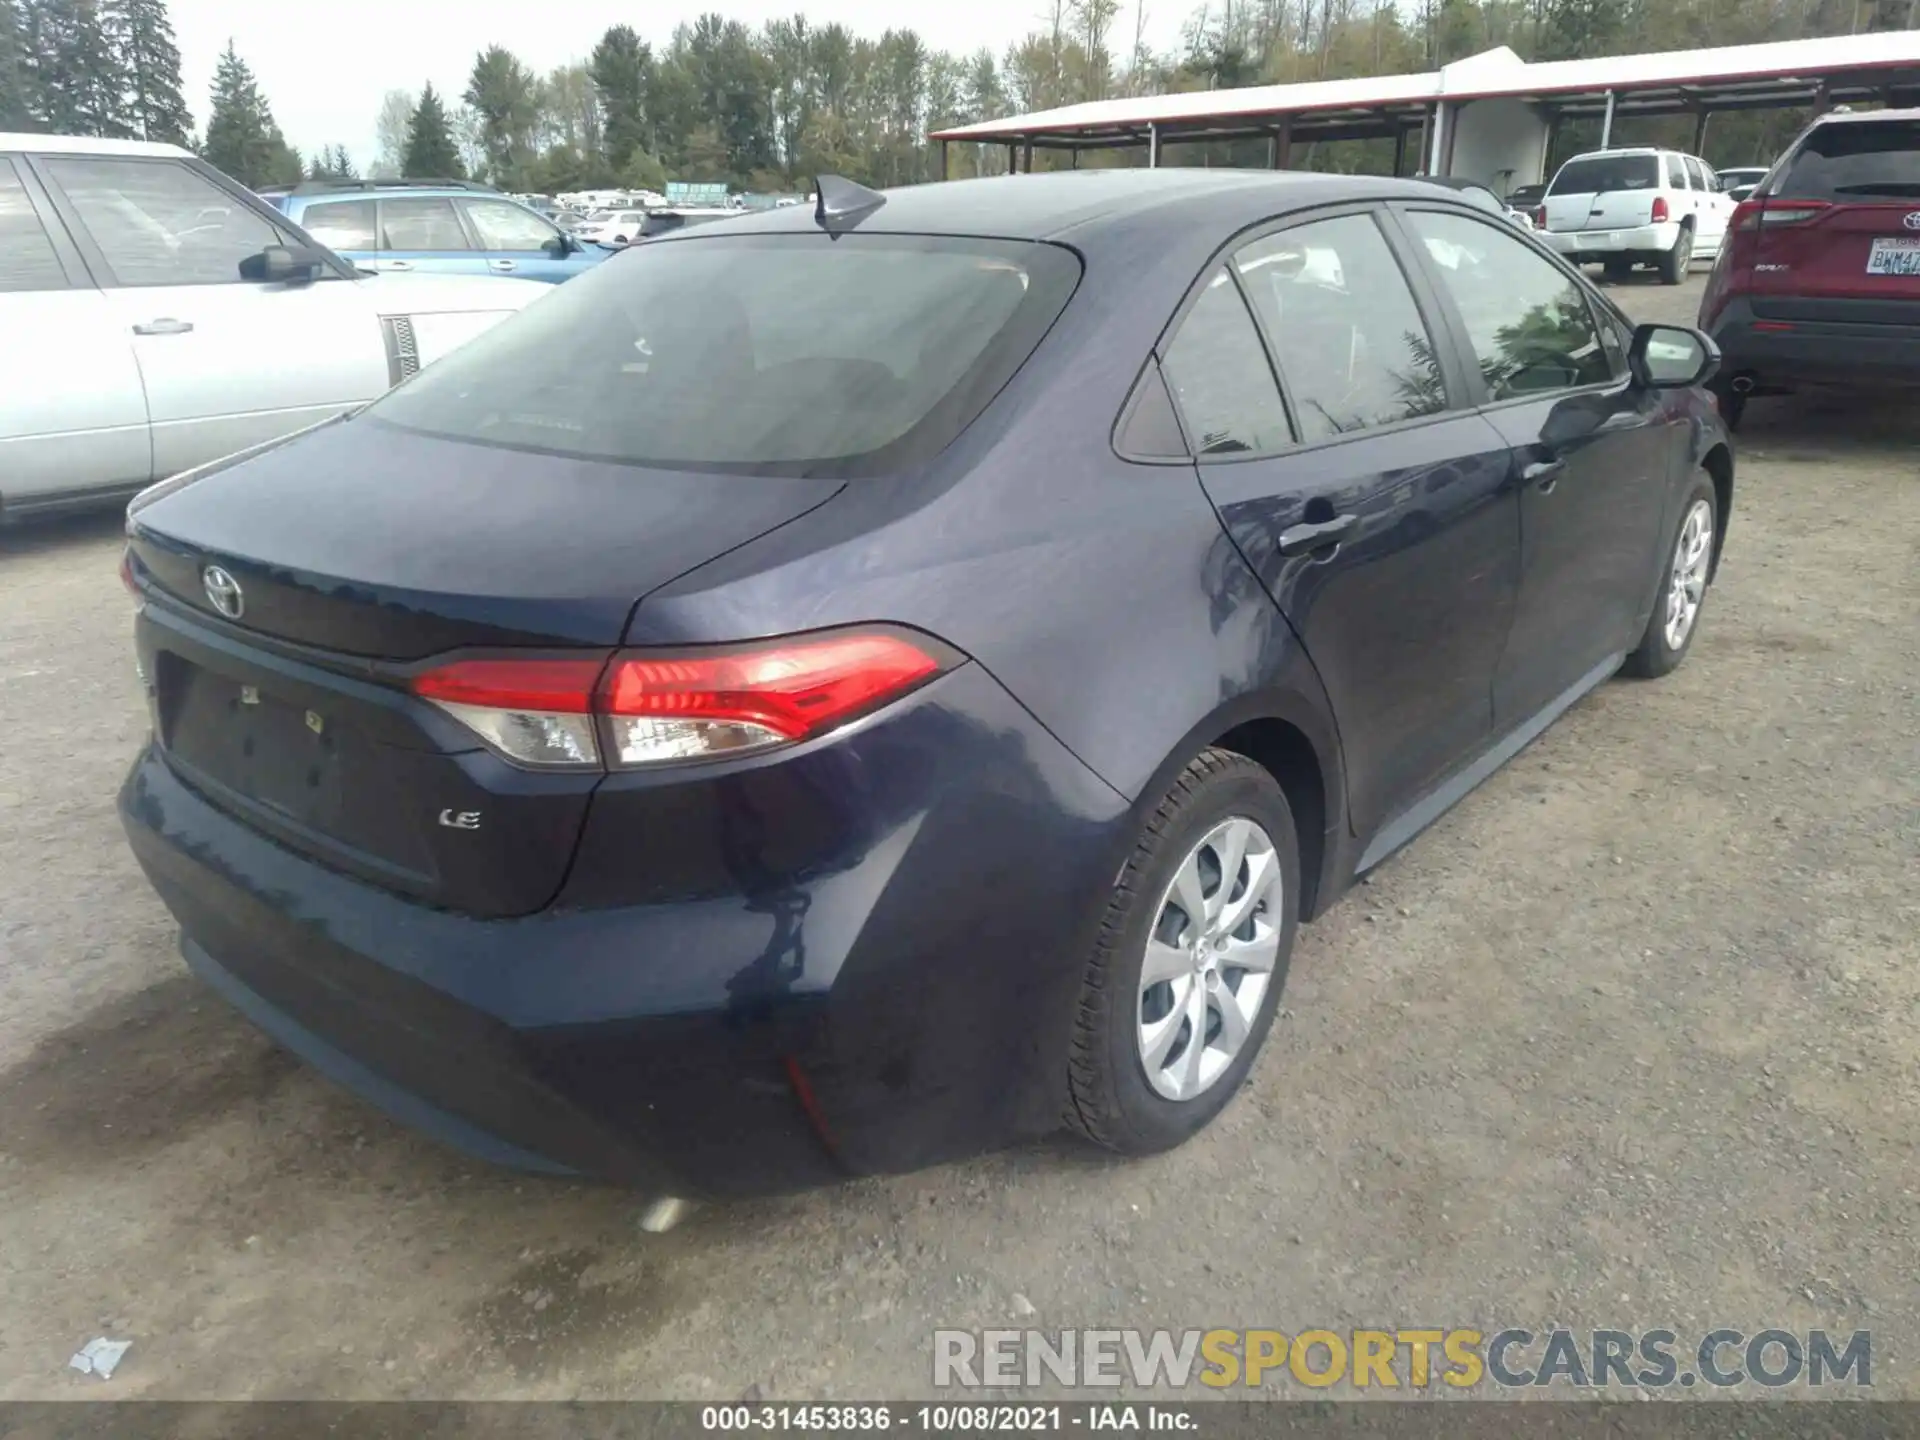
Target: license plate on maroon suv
{"type": "Point", "coordinates": [1894, 255]}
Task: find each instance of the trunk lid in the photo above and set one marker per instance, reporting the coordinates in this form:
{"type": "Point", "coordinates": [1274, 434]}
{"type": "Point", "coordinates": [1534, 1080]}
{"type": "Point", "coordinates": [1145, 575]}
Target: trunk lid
{"type": "Point", "coordinates": [1603, 192]}
{"type": "Point", "coordinates": [1839, 234]}
{"type": "Point", "coordinates": [358, 552]}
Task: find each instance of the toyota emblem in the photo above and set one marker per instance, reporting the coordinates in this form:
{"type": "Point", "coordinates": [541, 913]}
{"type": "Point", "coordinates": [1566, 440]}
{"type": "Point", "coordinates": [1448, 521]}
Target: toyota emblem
{"type": "Point", "coordinates": [1911, 220]}
{"type": "Point", "coordinates": [223, 592]}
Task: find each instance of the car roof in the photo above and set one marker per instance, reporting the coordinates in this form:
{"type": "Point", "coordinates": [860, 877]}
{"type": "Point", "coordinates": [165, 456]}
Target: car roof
{"type": "Point", "coordinates": [1855, 117]}
{"type": "Point", "coordinates": [1063, 203]}
{"type": "Point", "coordinates": [86, 145]}
{"type": "Point", "coordinates": [1623, 150]}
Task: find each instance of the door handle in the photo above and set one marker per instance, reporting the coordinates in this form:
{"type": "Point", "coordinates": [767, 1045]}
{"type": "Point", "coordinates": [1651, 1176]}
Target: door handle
{"type": "Point", "coordinates": [1543, 475]}
{"type": "Point", "coordinates": [1314, 537]}
{"type": "Point", "coordinates": [503, 264]}
{"type": "Point", "coordinates": [394, 264]}
{"type": "Point", "coordinates": [164, 326]}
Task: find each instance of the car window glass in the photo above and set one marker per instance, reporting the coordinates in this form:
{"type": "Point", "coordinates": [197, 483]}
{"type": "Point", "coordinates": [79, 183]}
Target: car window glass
{"type": "Point", "coordinates": [425, 222]}
{"type": "Point", "coordinates": [157, 222]}
{"type": "Point", "coordinates": [1151, 427]}
{"type": "Point", "coordinates": [1220, 376]}
{"type": "Point", "coordinates": [1353, 350]}
{"type": "Point", "coordinates": [1602, 174]}
{"type": "Point", "coordinates": [1530, 325]}
{"type": "Point", "coordinates": [1676, 173]}
{"type": "Point", "coordinates": [27, 258]}
{"type": "Point", "coordinates": [341, 224]}
{"type": "Point", "coordinates": [785, 354]}
{"type": "Point", "coordinates": [1846, 161]}
{"type": "Point", "coordinates": [1702, 178]}
{"type": "Point", "coordinates": [501, 226]}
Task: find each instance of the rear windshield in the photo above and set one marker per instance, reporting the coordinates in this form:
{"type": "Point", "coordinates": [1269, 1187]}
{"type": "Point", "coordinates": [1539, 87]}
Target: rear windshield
{"type": "Point", "coordinates": [1601, 173]}
{"type": "Point", "coordinates": [785, 354]}
{"type": "Point", "coordinates": [1858, 160]}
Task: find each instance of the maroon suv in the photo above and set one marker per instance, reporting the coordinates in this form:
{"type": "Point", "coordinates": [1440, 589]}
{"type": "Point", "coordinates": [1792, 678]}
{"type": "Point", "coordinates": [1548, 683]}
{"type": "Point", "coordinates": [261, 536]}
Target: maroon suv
{"type": "Point", "coordinates": [1820, 280]}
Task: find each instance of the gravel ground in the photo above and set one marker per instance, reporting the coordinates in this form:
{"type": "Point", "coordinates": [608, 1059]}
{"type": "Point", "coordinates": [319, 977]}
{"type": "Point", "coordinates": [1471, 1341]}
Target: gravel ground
{"type": "Point", "coordinates": [1627, 1040]}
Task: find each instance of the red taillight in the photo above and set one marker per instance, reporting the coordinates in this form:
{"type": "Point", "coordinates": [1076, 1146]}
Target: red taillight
{"type": "Point", "coordinates": [682, 706]}
{"type": "Point", "coordinates": [562, 686]}
{"type": "Point", "coordinates": [1660, 211]}
{"type": "Point", "coordinates": [642, 708]}
{"type": "Point", "coordinates": [1540, 217]}
{"type": "Point", "coordinates": [1753, 214]}
{"type": "Point", "coordinates": [126, 573]}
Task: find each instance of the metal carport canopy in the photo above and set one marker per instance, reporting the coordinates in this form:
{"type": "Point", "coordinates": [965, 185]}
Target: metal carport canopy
{"type": "Point", "coordinates": [1831, 69]}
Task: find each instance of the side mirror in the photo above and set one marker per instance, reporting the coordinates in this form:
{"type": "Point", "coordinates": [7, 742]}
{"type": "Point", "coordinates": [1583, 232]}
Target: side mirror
{"type": "Point", "coordinates": [1672, 357]}
{"type": "Point", "coordinates": [282, 265]}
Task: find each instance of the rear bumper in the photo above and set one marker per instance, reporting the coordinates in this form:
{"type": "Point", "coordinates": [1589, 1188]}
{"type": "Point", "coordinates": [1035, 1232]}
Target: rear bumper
{"type": "Point", "coordinates": [1773, 353]}
{"type": "Point", "coordinates": [904, 1002]}
{"type": "Point", "coordinates": [1582, 246]}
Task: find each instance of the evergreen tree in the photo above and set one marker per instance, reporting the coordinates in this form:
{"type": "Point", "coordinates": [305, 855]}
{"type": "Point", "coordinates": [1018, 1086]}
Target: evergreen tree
{"type": "Point", "coordinates": [16, 109]}
{"type": "Point", "coordinates": [622, 71]}
{"type": "Point", "coordinates": [431, 151]}
{"type": "Point", "coordinates": [505, 98]}
{"type": "Point", "coordinates": [332, 163]}
{"type": "Point", "coordinates": [242, 138]}
{"type": "Point", "coordinates": [149, 64]}
{"type": "Point", "coordinates": [73, 76]}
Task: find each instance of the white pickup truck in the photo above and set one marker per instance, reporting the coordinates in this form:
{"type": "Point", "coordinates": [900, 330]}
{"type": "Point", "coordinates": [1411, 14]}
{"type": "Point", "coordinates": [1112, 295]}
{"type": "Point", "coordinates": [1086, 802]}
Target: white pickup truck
{"type": "Point", "coordinates": [1623, 208]}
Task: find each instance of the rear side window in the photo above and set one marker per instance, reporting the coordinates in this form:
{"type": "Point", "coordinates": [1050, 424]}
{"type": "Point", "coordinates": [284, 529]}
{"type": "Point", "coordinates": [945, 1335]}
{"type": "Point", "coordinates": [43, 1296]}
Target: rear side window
{"type": "Point", "coordinates": [1599, 174]}
{"type": "Point", "coordinates": [1354, 352]}
{"type": "Point", "coordinates": [1221, 378]}
{"type": "Point", "coordinates": [341, 224]}
{"type": "Point", "coordinates": [27, 258]}
{"type": "Point", "coordinates": [157, 222]}
{"type": "Point", "coordinates": [1676, 173]}
{"type": "Point", "coordinates": [1855, 160]}
{"type": "Point", "coordinates": [778, 354]}
{"type": "Point", "coordinates": [421, 223]}
{"type": "Point", "coordinates": [1701, 177]}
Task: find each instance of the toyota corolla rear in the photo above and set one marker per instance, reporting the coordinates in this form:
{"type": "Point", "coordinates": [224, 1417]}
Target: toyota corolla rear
{"type": "Point", "coordinates": [436, 806]}
{"type": "Point", "coordinates": [1820, 278]}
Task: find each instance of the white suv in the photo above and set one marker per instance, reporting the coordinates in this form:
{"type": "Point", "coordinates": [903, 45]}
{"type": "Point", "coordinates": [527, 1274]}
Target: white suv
{"type": "Point", "coordinates": [1623, 208]}
{"type": "Point", "coordinates": [156, 315]}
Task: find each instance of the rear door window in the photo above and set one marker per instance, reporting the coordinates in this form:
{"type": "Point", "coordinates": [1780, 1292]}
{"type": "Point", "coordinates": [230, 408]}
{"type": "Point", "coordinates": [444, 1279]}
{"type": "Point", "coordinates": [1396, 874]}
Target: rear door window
{"type": "Point", "coordinates": [1354, 351]}
{"type": "Point", "coordinates": [425, 222]}
{"type": "Point", "coordinates": [781, 354]}
{"type": "Point", "coordinates": [27, 257]}
{"type": "Point", "coordinates": [1855, 160]}
{"type": "Point", "coordinates": [341, 224]}
{"type": "Point", "coordinates": [1602, 174]}
{"type": "Point", "coordinates": [1221, 377]}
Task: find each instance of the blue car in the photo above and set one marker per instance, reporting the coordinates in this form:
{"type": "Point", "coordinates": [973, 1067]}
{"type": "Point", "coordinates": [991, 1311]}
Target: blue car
{"type": "Point", "coordinates": [444, 227]}
{"type": "Point", "coordinates": [897, 684]}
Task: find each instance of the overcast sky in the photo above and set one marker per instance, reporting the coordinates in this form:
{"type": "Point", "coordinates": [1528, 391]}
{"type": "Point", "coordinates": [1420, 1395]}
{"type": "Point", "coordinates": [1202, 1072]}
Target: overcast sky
{"type": "Point", "coordinates": [325, 68]}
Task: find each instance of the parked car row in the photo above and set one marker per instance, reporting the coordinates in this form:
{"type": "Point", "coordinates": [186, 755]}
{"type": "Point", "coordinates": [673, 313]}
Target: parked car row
{"type": "Point", "coordinates": [158, 316]}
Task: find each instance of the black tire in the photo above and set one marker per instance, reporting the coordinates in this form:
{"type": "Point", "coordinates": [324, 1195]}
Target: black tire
{"type": "Point", "coordinates": [1616, 272]}
{"type": "Point", "coordinates": [1675, 263]}
{"type": "Point", "coordinates": [1110, 1100]}
{"type": "Point", "coordinates": [1654, 657]}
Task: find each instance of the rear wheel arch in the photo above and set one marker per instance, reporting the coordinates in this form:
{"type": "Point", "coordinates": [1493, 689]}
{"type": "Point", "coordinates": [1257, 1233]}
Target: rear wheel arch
{"type": "Point", "coordinates": [1295, 741]}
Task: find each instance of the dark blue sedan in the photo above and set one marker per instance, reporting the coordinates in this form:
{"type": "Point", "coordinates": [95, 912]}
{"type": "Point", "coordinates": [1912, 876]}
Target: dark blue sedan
{"type": "Point", "coordinates": [897, 688]}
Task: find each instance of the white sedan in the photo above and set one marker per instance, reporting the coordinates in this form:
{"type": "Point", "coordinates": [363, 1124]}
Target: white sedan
{"type": "Point", "coordinates": [160, 316]}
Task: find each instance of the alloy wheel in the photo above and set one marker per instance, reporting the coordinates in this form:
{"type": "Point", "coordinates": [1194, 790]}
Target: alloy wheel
{"type": "Point", "coordinates": [1687, 585]}
{"type": "Point", "coordinates": [1210, 959]}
